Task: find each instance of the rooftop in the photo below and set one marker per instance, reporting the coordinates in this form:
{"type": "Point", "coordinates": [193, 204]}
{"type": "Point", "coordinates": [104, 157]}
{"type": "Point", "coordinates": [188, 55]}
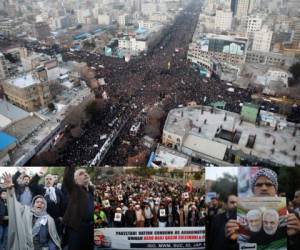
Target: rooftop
{"type": "Point", "coordinates": [6, 140]}
{"type": "Point", "coordinates": [262, 141]}
{"type": "Point", "coordinates": [170, 158]}
{"type": "Point", "coordinates": [23, 81]}
{"type": "Point", "coordinates": [11, 112]}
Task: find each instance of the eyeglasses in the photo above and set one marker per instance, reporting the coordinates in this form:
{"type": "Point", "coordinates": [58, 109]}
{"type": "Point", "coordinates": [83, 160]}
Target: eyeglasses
{"type": "Point", "coordinates": [267, 184]}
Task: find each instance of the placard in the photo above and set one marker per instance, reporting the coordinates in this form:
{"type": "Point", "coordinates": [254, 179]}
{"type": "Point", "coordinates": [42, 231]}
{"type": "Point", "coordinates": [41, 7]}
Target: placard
{"type": "Point", "coordinates": [262, 223]}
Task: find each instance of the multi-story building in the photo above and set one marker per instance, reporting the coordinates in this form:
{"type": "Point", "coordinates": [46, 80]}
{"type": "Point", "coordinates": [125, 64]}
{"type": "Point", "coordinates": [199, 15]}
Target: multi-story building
{"type": "Point", "coordinates": [3, 67]}
{"type": "Point", "coordinates": [296, 35]}
{"type": "Point", "coordinates": [254, 24]}
{"type": "Point", "coordinates": [223, 49]}
{"type": "Point", "coordinates": [262, 40]}
{"type": "Point", "coordinates": [221, 137]}
{"type": "Point", "coordinates": [104, 19]}
{"type": "Point", "coordinates": [242, 8]}
{"type": "Point", "coordinates": [223, 20]}
{"type": "Point", "coordinates": [42, 30]}
{"type": "Point", "coordinates": [269, 58]}
{"type": "Point", "coordinates": [10, 28]}
{"type": "Point", "coordinates": [123, 20]}
{"type": "Point", "coordinates": [30, 92]}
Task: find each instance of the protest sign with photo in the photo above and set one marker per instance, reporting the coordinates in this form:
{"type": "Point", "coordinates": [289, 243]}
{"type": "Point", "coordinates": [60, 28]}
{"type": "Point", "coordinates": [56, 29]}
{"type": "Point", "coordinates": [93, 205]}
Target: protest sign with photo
{"type": "Point", "coordinates": [150, 238]}
{"type": "Point", "coordinates": [118, 217]}
{"type": "Point", "coordinates": [106, 203]}
{"type": "Point", "coordinates": [262, 223]}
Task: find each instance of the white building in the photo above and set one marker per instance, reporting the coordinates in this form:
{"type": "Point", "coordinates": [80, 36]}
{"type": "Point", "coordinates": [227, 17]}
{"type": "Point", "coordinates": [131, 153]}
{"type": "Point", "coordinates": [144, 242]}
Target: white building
{"type": "Point", "coordinates": [123, 20]}
{"type": "Point", "coordinates": [242, 8]}
{"type": "Point", "coordinates": [104, 19]}
{"type": "Point", "coordinates": [132, 45]}
{"type": "Point", "coordinates": [277, 75]}
{"type": "Point", "coordinates": [149, 8]}
{"type": "Point", "coordinates": [254, 24]}
{"type": "Point", "coordinates": [262, 40]}
{"type": "Point", "coordinates": [223, 20]}
{"type": "Point", "coordinates": [3, 67]}
{"type": "Point", "coordinates": [145, 24]}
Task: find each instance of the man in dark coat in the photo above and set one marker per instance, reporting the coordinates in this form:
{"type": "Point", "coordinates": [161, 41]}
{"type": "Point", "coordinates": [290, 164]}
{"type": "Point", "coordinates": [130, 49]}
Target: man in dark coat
{"type": "Point", "coordinates": [79, 213]}
{"type": "Point", "coordinates": [216, 239]}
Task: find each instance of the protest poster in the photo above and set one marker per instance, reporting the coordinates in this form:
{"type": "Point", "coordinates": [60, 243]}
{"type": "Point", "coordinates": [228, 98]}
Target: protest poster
{"type": "Point", "coordinates": [106, 203]}
{"type": "Point", "coordinates": [120, 197]}
{"type": "Point", "coordinates": [118, 217]}
{"type": "Point", "coordinates": [185, 195]}
{"type": "Point", "coordinates": [162, 212]}
{"type": "Point", "coordinates": [150, 238]}
{"type": "Point", "coordinates": [262, 223]}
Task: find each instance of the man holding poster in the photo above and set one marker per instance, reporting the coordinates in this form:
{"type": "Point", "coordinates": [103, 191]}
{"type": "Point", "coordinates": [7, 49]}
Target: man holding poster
{"type": "Point", "coordinates": [264, 185]}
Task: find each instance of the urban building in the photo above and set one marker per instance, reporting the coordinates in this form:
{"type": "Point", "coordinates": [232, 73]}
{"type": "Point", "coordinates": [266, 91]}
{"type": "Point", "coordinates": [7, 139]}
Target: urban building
{"type": "Point", "coordinates": [3, 67]}
{"type": "Point", "coordinates": [42, 30]}
{"type": "Point", "coordinates": [262, 40]}
{"type": "Point", "coordinates": [242, 8]}
{"type": "Point", "coordinates": [104, 19]}
{"type": "Point", "coordinates": [211, 48]}
{"type": "Point", "coordinates": [220, 137]}
{"type": "Point", "coordinates": [223, 20]}
{"type": "Point", "coordinates": [30, 91]}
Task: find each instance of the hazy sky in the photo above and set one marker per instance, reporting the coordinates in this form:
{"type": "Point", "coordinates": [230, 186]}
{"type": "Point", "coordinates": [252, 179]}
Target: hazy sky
{"type": "Point", "coordinates": [213, 173]}
{"type": "Point", "coordinates": [14, 169]}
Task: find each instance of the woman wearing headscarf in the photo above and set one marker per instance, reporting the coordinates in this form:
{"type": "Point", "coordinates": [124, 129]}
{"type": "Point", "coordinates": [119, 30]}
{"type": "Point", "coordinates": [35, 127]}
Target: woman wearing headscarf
{"type": "Point", "coordinates": [30, 228]}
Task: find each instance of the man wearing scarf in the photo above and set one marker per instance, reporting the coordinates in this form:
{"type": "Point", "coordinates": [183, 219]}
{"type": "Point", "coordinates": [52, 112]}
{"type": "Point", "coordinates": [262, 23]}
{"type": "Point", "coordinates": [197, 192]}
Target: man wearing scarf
{"type": "Point", "coordinates": [30, 228]}
{"type": "Point", "coordinates": [80, 209]}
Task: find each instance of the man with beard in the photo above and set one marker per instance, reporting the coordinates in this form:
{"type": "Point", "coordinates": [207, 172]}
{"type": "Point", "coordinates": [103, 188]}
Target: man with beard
{"type": "Point", "coordinates": [254, 219]}
{"type": "Point", "coordinates": [30, 228]}
{"type": "Point", "coordinates": [216, 239]}
{"type": "Point", "coordinates": [264, 183]}
{"type": "Point", "coordinates": [79, 213]}
{"type": "Point", "coordinates": [24, 188]}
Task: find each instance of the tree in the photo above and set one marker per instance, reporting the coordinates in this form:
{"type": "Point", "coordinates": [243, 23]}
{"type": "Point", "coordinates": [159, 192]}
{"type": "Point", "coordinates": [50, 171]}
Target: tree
{"type": "Point", "coordinates": [225, 185]}
{"type": "Point", "coordinates": [295, 70]}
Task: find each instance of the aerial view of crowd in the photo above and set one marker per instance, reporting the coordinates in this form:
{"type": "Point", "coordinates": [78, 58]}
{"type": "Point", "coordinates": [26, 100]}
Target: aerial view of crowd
{"type": "Point", "coordinates": [131, 201]}
{"type": "Point", "coordinates": [38, 212]}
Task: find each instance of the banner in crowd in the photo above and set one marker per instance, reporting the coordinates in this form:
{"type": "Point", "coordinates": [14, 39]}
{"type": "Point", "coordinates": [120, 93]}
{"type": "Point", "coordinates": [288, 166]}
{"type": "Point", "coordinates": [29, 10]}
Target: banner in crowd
{"type": "Point", "coordinates": [262, 223]}
{"type": "Point", "coordinates": [150, 238]}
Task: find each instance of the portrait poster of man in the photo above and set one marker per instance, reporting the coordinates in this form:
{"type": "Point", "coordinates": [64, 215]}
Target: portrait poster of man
{"type": "Point", "coordinates": [262, 223]}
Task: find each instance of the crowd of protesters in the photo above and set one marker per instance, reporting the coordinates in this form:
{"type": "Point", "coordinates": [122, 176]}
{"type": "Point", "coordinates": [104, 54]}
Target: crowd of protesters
{"type": "Point", "coordinates": [162, 74]}
{"type": "Point", "coordinates": [39, 213]}
{"type": "Point", "coordinates": [131, 201]}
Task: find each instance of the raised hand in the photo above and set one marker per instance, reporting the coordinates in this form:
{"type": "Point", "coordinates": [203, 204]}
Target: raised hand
{"type": "Point", "coordinates": [8, 183]}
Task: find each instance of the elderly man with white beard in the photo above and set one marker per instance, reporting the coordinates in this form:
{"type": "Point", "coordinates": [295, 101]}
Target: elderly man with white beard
{"type": "Point", "coordinates": [254, 218]}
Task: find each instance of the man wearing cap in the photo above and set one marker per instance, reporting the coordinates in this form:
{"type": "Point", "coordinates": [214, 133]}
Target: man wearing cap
{"type": "Point", "coordinates": [264, 183]}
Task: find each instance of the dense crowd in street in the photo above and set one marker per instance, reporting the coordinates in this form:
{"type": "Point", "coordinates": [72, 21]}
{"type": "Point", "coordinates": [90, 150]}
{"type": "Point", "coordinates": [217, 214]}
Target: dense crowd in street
{"type": "Point", "coordinates": [131, 201]}
{"type": "Point", "coordinates": [38, 212]}
{"type": "Point", "coordinates": [161, 76]}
